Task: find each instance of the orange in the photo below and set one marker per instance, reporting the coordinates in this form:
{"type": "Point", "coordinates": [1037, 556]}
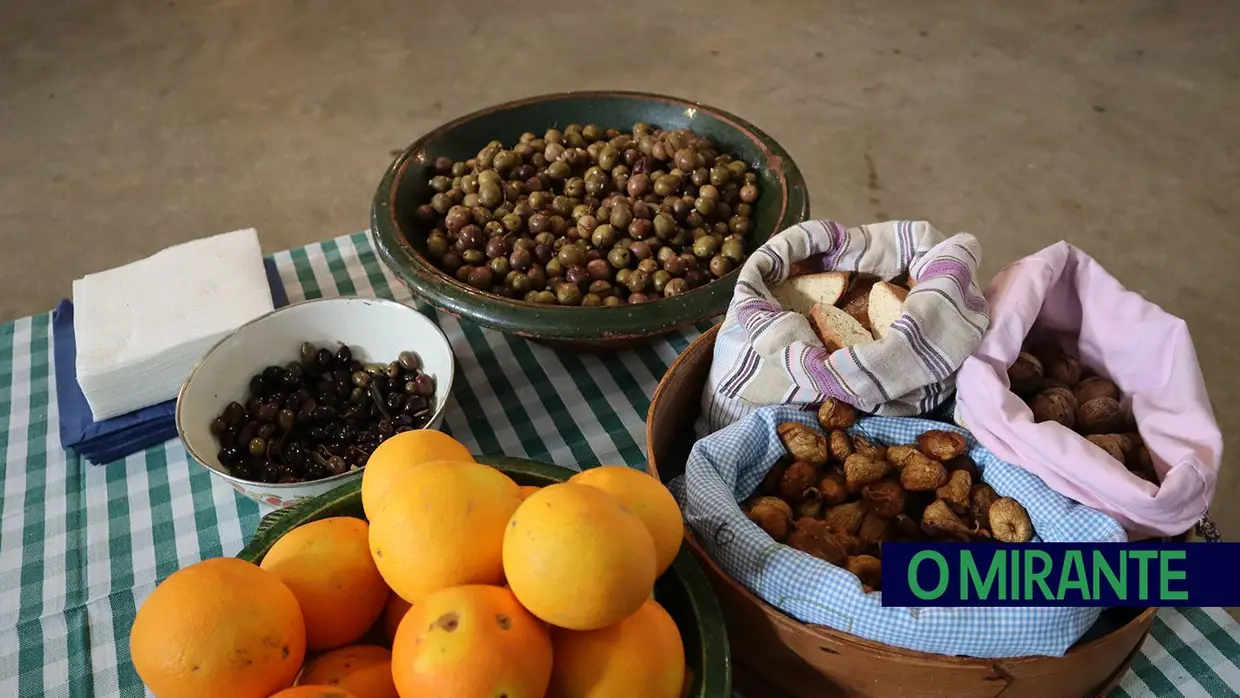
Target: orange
{"type": "Point", "coordinates": [218, 627]}
{"type": "Point", "coordinates": [442, 525]}
{"type": "Point", "coordinates": [470, 642]}
{"type": "Point", "coordinates": [328, 567]}
{"type": "Point", "coordinates": [314, 692]}
{"type": "Point", "coordinates": [527, 490]}
{"type": "Point", "coordinates": [363, 670]}
{"type": "Point", "coordinates": [649, 499]}
{"type": "Point", "coordinates": [392, 614]}
{"type": "Point", "coordinates": [401, 452]}
{"type": "Point", "coordinates": [642, 655]}
{"type": "Point", "coordinates": [577, 558]}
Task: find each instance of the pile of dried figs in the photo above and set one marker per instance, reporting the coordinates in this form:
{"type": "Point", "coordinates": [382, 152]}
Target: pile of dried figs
{"type": "Point", "coordinates": [1058, 389]}
{"type": "Point", "coordinates": [839, 497]}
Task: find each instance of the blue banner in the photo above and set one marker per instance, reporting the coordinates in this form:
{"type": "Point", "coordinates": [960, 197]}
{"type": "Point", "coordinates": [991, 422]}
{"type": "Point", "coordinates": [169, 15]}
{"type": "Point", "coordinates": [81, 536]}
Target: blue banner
{"type": "Point", "coordinates": [1061, 574]}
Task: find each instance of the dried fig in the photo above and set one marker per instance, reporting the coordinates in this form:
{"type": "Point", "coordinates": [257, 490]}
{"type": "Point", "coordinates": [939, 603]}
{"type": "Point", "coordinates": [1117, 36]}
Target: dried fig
{"type": "Point", "coordinates": [956, 491]}
{"type": "Point", "coordinates": [799, 477]}
{"type": "Point", "coordinates": [836, 414]}
{"type": "Point", "coordinates": [981, 496]}
{"type": "Point", "coordinates": [833, 489]}
{"type": "Point", "coordinates": [811, 503]}
{"type": "Point", "coordinates": [966, 464]}
{"type": "Point", "coordinates": [1109, 443]}
{"type": "Point", "coordinates": [940, 522]}
{"type": "Point", "coordinates": [1025, 375]}
{"type": "Point", "coordinates": [846, 517]}
{"type": "Point", "coordinates": [850, 543]}
{"type": "Point", "coordinates": [868, 569]}
{"type": "Point", "coordinates": [770, 482]}
{"type": "Point", "coordinates": [1095, 386]}
{"type": "Point", "coordinates": [1101, 415]}
{"type": "Point", "coordinates": [885, 498]}
{"type": "Point", "coordinates": [814, 537]}
{"type": "Point", "coordinates": [920, 474]}
{"type": "Point", "coordinates": [1066, 370]}
{"type": "Point", "coordinates": [1055, 405]}
{"type": "Point", "coordinates": [905, 528]}
{"type": "Point", "coordinates": [874, 530]}
{"type": "Point", "coordinates": [804, 443]}
{"type": "Point", "coordinates": [861, 471]}
{"type": "Point", "coordinates": [1009, 522]}
{"type": "Point", "coordinates": [898, 456]}
{"type": "Point", "coordinates": [773, 515]}
{"type": "Point", "coordinates": [865, 447]}
{"type": "Point", "coordinates": [942, 445]}
{"type": "Point", "coordinates": [840, 445]}
{"type": "Point", "coordinates": [915, 503]}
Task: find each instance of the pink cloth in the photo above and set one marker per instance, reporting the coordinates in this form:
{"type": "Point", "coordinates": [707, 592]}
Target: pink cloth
{"type": "Point", "coordinates": [1146, 351]}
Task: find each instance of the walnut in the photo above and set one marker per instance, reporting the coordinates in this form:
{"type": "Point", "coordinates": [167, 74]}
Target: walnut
{"type": "Point", "coordinates": [840, 445]}
{"type": "Point", "coordinates": [940, 522]}
{"type": "Point", "coordinates": [1144, 465]}
{"type": "Point", "coordinates": [942, 445]}
{"type": "Point", "coordinates": [1109, 443]}
{"type": "Point", "coordinates": [861, 471]}
{"type": "Point", "coordinates": [1128, 420]}
{"type": "Point", "coordinates": [981, 496]}
{"type": "Point", "coordinates": [836, 414]}
{"type": "Point", "coordinates": [885, 498]}
{"type": "Point", "coordinates": [815, 537]}
{"type": "Point", "coordinates": [1046, 351]}
{"type": "Point", "coordinates": [1099, 416]}
{"type": "Point", "coordinates": [956, 491]}
{"type": "Point", "coordinates": [863, 446]}
{"type": "Point", "coordinates": [1025, 375]}
{"type": "Point", "coordinates": [1055, 405]}
{"type": "Point", "coordinates": [1066, 369]}
{"type": "Point", "coordinates": [811, 503]}
{"type": "Point", "coordinates": [964, 463]}
{"type": "Point", "coordinates": [868, 569]}
{"type": "Point", "coordinates": [799, 477]}
{"type": "Point", "coordinates": [770, 482]}
{"type": "Point", "coordinates": [923, 475]}
{"type": "Point", "coordinates": [1095, 386]}
{"type": "Point", "coordinates": [846, 517]}
{"type": "Point", "coordinates": [874, 530]}
{"type": "Point", "coordinates": [773, 515]}
{"type": "Point", "coordinates": [1009, 522]}
{"type": "Point", "coordinates": [804, 443]}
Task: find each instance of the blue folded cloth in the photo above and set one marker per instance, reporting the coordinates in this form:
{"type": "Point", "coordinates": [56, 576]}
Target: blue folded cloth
{"type": "Point", "coordinates": [103, 442]}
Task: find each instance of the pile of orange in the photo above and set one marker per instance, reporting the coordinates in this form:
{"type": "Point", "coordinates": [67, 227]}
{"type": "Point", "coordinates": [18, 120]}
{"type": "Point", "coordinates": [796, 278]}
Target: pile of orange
{"type": "Point", "coordinates": [461, 584]}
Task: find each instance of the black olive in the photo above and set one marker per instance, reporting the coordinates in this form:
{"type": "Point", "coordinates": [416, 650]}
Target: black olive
{"type": "Point", "coordinates": [267, 413]}
{"type": "Point", "coordinates": [395, 400]}
{"type": "Point", "coordinates": [425, 386]}
{"type": "Point", "coordinates": [258, 386]}
{"type": "Point", "coordinates": [324, 359]}
{"type": "Point", "coordinates": [410, 361]}
{"type": "Point", "coordinates": [248, 431]}
{"type": "Point", "coordinates": [415, 403]}
{"type": "Point", "coordinates": [324, 412]}
{"type": "Point", "coordinates": [361, 379]}
{"type": "Point", "coordinates": [336, 465]}
{"type": "Point", "coordinates": [317, 433]}
{"type": "Point", "coordinates": [403, 420]}
{"type": "Point", "coordinates": [294, 453]}
{"type": "Point", "coordinates": [344, 355]}
{"type": "Point", "coordinates": [285, 419]}
{"type": "Point", "coordinates": [229, 456]}
{"type": "Point", "coordinates": [393, 370]}
{"type": "Point", "coordinates": [275, 375]}
{"type": "Point", "coordinates": [384, 428]}
{"type": "Point", "coordinates": [267, 430]}
{"type": "Point", "coordinates": [357, 395]}
{"type": "Point", "coordinates": [271, 474]}
{"type": "Point", "coordinates": [233, 414]}
{"type": "Point", "coordinates": [218, 426]}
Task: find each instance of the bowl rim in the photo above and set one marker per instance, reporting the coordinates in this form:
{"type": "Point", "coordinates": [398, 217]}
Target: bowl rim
{"type": "Point", "coordinates": [275, 487]}
{"type": "Point", "coordinates": [564, 323]}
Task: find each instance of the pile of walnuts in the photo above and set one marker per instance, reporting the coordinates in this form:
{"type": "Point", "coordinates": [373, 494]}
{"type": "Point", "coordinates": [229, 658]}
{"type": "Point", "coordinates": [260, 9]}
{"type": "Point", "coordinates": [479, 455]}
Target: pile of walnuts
{"type": "Point", "coordinates": [1058, 389]}
{"type": "Point", "coordinates": [839, 497]}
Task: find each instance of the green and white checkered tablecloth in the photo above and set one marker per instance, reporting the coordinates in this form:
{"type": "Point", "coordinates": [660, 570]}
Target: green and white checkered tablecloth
{"type": "Point", "coordinates": [82, 546]}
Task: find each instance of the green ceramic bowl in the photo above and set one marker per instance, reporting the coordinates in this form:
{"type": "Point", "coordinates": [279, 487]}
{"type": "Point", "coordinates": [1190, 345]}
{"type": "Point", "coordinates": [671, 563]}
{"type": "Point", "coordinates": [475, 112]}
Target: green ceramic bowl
{"type": "Point", "coordinates": [783, 202]}
{"type": "Point", "coordinates": [682, 590]}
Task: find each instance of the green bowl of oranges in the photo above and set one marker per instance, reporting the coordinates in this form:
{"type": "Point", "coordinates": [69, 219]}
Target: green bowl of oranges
{"type": "Point", "coordinates": [526, 580]}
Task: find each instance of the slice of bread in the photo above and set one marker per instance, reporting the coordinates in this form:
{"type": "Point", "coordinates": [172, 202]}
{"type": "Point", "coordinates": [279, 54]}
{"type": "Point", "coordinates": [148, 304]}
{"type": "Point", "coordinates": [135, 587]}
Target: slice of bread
{"type": "Point", "coordinates": [886, 306]}
{"type": "Point", "coordinates": [857, 301]}
{"type": "Point", "coordinates": [836, 328]}
{"type": "Point", "coordinates": [800, 293]}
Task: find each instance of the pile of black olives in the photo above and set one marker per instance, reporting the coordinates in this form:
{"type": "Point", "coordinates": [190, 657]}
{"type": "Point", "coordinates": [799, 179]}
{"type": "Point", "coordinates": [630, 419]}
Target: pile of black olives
{"type": "Point", "coordinates": [591, 216]}
{"type": "Point", "coordinates": [321, 416]}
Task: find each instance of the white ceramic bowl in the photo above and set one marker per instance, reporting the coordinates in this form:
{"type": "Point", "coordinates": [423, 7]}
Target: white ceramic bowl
{"type": "Point", "coordinates": [375, 329]}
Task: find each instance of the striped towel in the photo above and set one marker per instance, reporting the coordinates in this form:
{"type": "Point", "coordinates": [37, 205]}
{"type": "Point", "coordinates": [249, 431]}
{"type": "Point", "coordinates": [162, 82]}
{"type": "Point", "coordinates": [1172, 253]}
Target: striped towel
{"type": "Point", "coordinates": [767, 356]}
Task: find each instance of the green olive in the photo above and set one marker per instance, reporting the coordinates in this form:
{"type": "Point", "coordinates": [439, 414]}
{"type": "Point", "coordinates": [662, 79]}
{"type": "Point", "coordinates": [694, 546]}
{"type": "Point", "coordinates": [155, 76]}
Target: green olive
{"type": "Point", "coordinates": [619, 257]}
{"type": "Point", "coordinates": [622, 277]}
{"type": "Point", "coordinates": [554, 267]}
{"type": "Point", "coordinates": [720, 266]}
{"type": "Point", "coordinates": [664, 226]}
{"type": "Point", "coordinates": [436, 246]}
{"type": "Point", "coordinates": [719, 175]}
{"type": "Point", "coordinates": [601, 288]}
{"type": "Point", "coordinates": [637, 281]}
{"type": "Point", "coordinates": [621, 216]}
{"type": "Point", "coordinates": [704, 206]}
{"type": "Point", "coordinates": [539, 200]}
{"type": "Point", "coordinates": [734, 250]}
{"type": "Point", "coordinates": [520, 283]}
{"type": "Point", "coordinates": [545, 298]}
{"type": "Point", "coordinates": [608, 158]}
{"type": "Point", "coordinates": [500, 266]}
{"type": "Point", "coordinates": [659, 280]}
{"type": "Point", "coordinates": [675, 287]}
{"type": "Point", "coordinates": [706, 246]}
{"type": "Point", "coordinates": [572, 255]}
{"type": "Point", "coordinates": [558, 170]}
{"type": "Point", "coordinates": [749, 193]}
{"type": "Point", "coordinates": [530, 297]}
{"type": "Point", "coordinates": [592, 132]}
{"type": "Point", "coordinates": [591, 300]}
{"type": "Point", "coordinates": [739, 225]}
{"type": "Point", "coordinates": [612, 302]}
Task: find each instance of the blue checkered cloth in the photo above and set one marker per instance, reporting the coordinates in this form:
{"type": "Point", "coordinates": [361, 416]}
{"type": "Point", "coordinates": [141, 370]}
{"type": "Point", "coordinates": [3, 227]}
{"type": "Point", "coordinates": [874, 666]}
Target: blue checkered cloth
{"type": "Point", "coordinates": [727, 466]}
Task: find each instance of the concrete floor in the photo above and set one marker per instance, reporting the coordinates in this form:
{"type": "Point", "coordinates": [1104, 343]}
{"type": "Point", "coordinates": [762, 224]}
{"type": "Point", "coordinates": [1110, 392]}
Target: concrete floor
{"type": "Point", "coordinates": [127, 126]}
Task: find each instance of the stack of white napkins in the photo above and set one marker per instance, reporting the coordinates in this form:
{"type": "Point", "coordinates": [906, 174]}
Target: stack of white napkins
{"type": "Point", "coordinates": [140, 328]}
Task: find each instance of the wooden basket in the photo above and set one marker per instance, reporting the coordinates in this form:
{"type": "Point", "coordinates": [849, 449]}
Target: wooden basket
{"type": "Point", "coordinates": [777, 656]}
